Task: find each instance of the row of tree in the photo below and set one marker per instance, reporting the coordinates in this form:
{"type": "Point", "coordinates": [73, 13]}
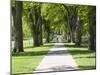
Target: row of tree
{"type": "Point", "coordinates": [43, 19]}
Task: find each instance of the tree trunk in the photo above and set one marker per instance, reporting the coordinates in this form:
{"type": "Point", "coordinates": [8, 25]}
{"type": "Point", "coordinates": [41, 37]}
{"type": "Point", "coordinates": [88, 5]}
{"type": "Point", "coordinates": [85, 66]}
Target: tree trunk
{"type": "Point", "coordinates": [41, 39]}
{"type": "Point", "coordinates": [36, 36]}
{"type": "Point", "coordinates": [69, 36]}
{"type": "Point", "coordinates": [72, 37]}
{"type": "Point", "coordinates": [72, 18]}
{"type": "Point", "coordinates": [91, 45]}
{"type": "Point", "coordinates": [48, 37]}
{"type": "Point", "coordinates": [92, 28]}
{"type": "Point", "coordinates": [19, 7]}
{"type": "Point", "coordinates": [40, 26]}
{"type": "Point", "coordinates": [78, 32]}
{"type": "Point", "coordinates": [47, 29]}
{"type": "Point", "coordinates": [18, 46]}
{"type": "Point", "coordinates": [14, 19]}
{"type": "Point", "coordinates": [36, 20]}
{"type": "Point", "coordinates": [71, 29]}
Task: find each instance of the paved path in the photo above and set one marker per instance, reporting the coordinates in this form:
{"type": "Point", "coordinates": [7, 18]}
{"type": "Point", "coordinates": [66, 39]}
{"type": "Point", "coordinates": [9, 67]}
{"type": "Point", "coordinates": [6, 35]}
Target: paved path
{"type": "Point", "coordinates": [57, 59]}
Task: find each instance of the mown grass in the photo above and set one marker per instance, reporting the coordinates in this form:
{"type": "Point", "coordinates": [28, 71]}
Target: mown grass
{"type": "Point", "coordinates": [27, 61]}
{"type": "Point", "coordinates": [86, 59]}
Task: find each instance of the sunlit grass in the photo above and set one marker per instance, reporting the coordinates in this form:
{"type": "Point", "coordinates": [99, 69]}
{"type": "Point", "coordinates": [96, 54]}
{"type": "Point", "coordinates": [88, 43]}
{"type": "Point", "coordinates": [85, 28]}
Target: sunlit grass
{"type": "Point", "coordinates": [27, 61]}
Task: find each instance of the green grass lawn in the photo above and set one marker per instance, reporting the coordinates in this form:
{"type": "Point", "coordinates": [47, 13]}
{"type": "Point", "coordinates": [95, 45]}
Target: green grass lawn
{"type": "Point", "coordinates": [86, 59]}
{"type": "Point", "coordinates": [27, 61]}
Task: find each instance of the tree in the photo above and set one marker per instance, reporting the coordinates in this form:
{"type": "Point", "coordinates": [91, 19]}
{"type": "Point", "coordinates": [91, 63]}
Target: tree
{"type": "Point", "coordinates": [36, 19]}
{"type": "Point", "coordinates": [78, 31]}
{"type": "Point", "coordinates": [17, 18]}
{"type": "Point", "coordinates": [40, 29]}
{"type": "Point", "coordinates": [92, 28]}
{"type": "Point", "coordinates": [47, 30]}
{"type": "Point", "coordinates": [72, 12]}
{"type": "Point", "coordinates": [53, 19]}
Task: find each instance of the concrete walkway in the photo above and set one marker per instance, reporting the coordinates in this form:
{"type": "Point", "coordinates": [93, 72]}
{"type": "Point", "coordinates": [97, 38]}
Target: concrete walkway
{"type": "Point", "coordinates": [57, 59]}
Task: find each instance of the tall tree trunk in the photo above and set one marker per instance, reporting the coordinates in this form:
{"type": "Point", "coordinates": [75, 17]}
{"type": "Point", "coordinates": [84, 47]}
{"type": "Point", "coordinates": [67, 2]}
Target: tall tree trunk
{"type": "Point", "coordinates": [91, 45]}
{"type": "Point", "coordinates": [71, 17]}
{"type": "Point", "coordinates": [14, 23]}
{"type": "Point", "coordinates": [18, 28]}
{"type": "Point", "coordinates": [19, 7]}
{"type": "Point", "coordinates": [78, 32]}
{"type": "Point", "coordinates": [41, 39]}
{"type": "Point", "coordinates": [36, 36]}
{"type": "Point", "coordinates": [36, 26]}
{"type": "Point", "coordinates": [40, 26]}
{"type": "Point", "coordinates": [70, 30]}
{"type": "Point", "coordinates": [92, 28]}
{"type": "Point", "coordinates": [33, 27]}
{"type": "Point", "coordinates": [47, 29]}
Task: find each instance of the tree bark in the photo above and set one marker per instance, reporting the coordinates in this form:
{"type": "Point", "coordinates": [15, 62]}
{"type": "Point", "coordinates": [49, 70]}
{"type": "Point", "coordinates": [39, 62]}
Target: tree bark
{"type": "Point", "coordinates": [36, 33]}
{"type": "Point", "coordinates": [18, 46]}
{"type": "Point", "coordinates": [36, 26]}
{"type": "Point", "coordinates": [78, 32]}
{"type": "Point", "coordinates": [71, 29]}
{"type": "Point", "coordinates": [47, 29]}
{"type": "Point", "coordinates": [19, 7]}
{"type": "Point", "coordinates": [14, 23]}
{"type": "Point", "coordinates": [72, 18]}
{"type": "Point", "coordinates": [92, 28]}
{"type": "Point", "coordinates": [41, 39]}
{"type": "Point", "coordinates": [91, 45]}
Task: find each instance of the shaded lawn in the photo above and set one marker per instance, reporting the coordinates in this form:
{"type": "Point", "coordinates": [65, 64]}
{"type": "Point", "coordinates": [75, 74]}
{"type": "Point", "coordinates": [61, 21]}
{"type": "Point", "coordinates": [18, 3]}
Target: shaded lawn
{"type": "Point", "coordinates": [27, 61]}
{"type": "Point", "coordinates": [86, 59]}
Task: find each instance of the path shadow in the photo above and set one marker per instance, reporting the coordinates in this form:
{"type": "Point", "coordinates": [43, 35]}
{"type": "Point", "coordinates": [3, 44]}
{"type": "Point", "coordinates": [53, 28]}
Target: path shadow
{"type": "Point", "coordinates": [58, 46]}
{"type": "Point", "coordinates": [59, 68]}
{"type": "Point", "coordinates": [64, 68]}
{"type": "Point", "coordinates": [60, 52]}
{"type": "Point", "coordinates": [39, 53]}
{"type": "Point", "coordinates": [60, 42]}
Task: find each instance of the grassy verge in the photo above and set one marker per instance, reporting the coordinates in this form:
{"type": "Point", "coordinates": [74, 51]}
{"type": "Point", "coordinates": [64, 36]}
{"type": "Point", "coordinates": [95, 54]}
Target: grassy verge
{"type": "Point", "coordinates": [86, 59]}
{"type": "Point", "coordinates": [27, 61]}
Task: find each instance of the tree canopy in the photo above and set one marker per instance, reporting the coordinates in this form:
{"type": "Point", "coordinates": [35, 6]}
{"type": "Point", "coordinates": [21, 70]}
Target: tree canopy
{"type": "Point", "coordinates": [43, 20]}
